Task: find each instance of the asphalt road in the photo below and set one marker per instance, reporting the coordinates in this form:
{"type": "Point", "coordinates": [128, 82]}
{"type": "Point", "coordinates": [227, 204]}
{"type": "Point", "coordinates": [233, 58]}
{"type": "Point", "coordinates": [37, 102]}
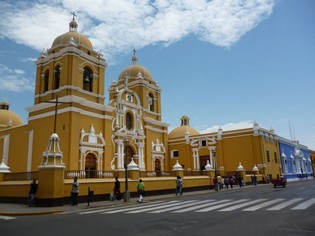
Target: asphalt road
{"type": "Point", "coordinates": [256, 211]}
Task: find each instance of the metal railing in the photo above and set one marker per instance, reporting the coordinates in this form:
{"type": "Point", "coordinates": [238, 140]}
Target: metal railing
{"type": "Point", "coordinates": [97, 174]}
{"type": "Point", "coordinates": [89, 174]}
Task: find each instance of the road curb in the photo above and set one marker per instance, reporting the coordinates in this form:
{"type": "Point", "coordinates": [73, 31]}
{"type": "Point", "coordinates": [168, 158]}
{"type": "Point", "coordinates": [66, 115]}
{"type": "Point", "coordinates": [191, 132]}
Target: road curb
{"type": "Point", "coordinates": [30, 213]}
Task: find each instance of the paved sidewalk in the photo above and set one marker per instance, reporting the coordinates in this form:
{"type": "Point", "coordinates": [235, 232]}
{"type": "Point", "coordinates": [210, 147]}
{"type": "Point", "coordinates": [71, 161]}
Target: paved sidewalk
{"type": "Point", "coordinates": [8, 209]}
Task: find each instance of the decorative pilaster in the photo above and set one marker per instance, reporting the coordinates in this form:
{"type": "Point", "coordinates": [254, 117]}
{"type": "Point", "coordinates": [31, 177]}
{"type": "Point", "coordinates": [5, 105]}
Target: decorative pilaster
{"type": "Point", "coordinates": [120, 154]}
{"type": "Point", "coordinates": [141, 155]}
{"type": "Point", "coordinates": [196, 159]}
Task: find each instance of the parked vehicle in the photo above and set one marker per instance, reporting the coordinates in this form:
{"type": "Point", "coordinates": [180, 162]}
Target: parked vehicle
{"type": "Point", "coordinates": [279, 182]}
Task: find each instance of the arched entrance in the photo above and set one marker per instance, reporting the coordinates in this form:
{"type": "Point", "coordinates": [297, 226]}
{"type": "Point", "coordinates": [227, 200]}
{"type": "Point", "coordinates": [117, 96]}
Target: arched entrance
{"type": "Point", "coordinates": [90, 165]}
{"type": "Point", "coordinates": [157, 167]}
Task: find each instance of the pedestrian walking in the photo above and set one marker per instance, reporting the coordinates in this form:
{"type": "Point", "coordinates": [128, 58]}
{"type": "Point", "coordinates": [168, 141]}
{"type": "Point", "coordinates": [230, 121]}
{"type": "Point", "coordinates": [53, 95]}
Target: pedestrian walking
{"type": "Point", "coordinates": [116, 191]}
{"type": "Point", "coordinates": [75, 191]}
{"type": "Point", "coordinates": [219, 182]}
{"type": "Point", "coordinates": [140, 189]}
{"type": "Point", "coordinates": [32, 193]}
{"type": "Point", "coordinates": [255, 180]}
{"type": "Point", "coordinates": [179, 186]}
{"type": "Point", "coordinates": [240, 181]}
{"type": "Point", "coordinates": [226, 182]}
{"type": "Point", "coordinates": [232, 181]}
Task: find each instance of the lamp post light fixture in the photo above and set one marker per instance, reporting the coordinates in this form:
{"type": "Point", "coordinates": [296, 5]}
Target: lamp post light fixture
{"type": "Point", "coordinates": [216, 186]}
{"type": "Point", "coordinates": [127, 193]}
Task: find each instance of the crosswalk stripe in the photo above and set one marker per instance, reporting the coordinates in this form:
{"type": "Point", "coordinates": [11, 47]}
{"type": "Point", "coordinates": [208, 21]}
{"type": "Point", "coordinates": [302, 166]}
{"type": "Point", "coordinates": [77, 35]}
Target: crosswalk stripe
{"type": "Point", "coordinates": [181, 206]}
{"type": "Point", "coordinates": [200, 206]}
{"type": "Point", "coordinates": [89, 211]}
{"type": "Point", "coordinates": [7, 218]}
{"type": "Point", "coordinates": [254, 208]}
{"type": "Point", "coordinates": [157, 207]}
{"type": "Point", "coordinates": [221, 205]}
{"type": "Point", "coordinates": [184, 205]}
{"type": "Point", "coordinates": [143, 206]}
{"type": "Point", "coordinates": [242, 205]}
{"type": "Point", "coordinates": [284, 204]}
{"type": "Point", "coordinates": [304, 205]}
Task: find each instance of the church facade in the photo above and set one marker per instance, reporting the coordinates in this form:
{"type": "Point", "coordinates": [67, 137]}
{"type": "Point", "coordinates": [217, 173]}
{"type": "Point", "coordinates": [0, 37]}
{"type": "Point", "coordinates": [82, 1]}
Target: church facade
{"type": "Point", "coordinates": [69, 100]}
{"type": "Point", "coordinates": [96, 137]}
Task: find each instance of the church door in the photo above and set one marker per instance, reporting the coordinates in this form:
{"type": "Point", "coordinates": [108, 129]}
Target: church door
{"type": "Point", "coordinates": [157, 167]}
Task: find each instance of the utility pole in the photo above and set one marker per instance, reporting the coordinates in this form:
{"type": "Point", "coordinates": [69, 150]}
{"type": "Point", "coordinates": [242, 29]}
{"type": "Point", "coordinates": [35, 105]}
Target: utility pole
{"type": "Point", "coordinates": [56, 105]}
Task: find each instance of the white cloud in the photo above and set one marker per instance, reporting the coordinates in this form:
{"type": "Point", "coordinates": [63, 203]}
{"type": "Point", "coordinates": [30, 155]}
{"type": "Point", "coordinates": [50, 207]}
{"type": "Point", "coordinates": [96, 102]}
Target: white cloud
{"type": "Point", "coordinates": [117, 26]}
{"type": "Point", "coordinates": [29, 59]}
{"type": "Point", "coordinates": [19, 72]}
{"type": "Point", "coordinates": [229, 126]}
{"type": "Point", "coordinates": [13, 80]}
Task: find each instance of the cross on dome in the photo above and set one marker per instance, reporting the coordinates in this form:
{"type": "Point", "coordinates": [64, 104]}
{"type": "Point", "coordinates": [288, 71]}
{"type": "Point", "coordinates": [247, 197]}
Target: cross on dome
{"type": "Point", "coordinates": [73, 25]}
{"type": "Point", "coordinates": [134, 57]}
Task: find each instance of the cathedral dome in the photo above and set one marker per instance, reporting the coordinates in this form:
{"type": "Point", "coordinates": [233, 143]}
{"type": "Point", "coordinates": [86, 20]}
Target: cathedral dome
{"type": "Point", "coordinates": [135, 71]}
{"type": "Point", "coordinates": [180, 131]}
{"type": "Point", "coordinates": [72, 36]}
{"type": "Point", "coordinates": [8, 118]}
{"type": "Point", "coordinates": [75, 36]}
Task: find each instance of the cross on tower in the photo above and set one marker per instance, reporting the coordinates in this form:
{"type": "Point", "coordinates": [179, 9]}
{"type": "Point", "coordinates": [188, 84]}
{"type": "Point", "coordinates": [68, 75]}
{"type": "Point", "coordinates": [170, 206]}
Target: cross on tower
{"type": "Point", "coordinates": [73, 14]}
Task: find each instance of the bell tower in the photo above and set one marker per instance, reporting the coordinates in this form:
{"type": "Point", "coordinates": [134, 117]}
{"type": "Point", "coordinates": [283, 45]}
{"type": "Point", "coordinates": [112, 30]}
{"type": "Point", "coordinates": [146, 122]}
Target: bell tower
{"type": "Point", "coordinates": [137, 99]}
{"type": "Point", "coordinates": [70, 68]}
{"type": "Point", "coordinates": [138, 79]}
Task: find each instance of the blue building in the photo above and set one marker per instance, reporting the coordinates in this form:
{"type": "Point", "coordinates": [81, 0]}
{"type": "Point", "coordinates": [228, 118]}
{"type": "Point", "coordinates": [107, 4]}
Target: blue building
{"type": "Point", "coordinates": [295, 160]}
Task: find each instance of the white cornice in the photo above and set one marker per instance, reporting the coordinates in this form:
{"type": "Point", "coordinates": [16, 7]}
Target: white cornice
{"type": "Point", "coordinates": [70, 87]}
{"type": "Point", "coordinates": [155, 122]}
{"type": "Point", "coordinates": [151, 112]}
{"type": "Point", "coordinates": [71, 50]}
{"type": "Point", "coordinates": [72, 99]}
{"type": "Point", "coordinates": [70, 109]}
{"type": "Point", "coordinates": [135, 83]}
{"type": "Point", "coordinates": [155, 129]}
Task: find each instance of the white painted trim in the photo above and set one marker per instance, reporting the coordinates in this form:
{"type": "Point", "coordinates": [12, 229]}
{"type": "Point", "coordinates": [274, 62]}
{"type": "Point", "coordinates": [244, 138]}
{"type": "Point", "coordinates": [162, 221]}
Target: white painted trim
{"type": "Point", "coordinates": [155, 129]}
{"type": "Point", "coordinates": [30, 151]}
{"type": "Point", "coordinates": [72, 50]}
{"type": "Point", "coordinates": [6, 145]}
{"type": "Point", "coordinates": [70, 109]}
{"type": "Point", "coordinates": [155, 122]}
{"type": "Point", "coordinates": [73, 99]}
{"type": "Point", "coordinates": [69, 87]}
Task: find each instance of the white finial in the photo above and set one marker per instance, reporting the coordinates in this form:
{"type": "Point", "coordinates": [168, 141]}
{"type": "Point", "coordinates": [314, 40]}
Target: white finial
{"type": "Point", "coordinates": [255, 168]}
{"type": "Point", "coordinates": [177, 166]}
{"type": "Point", "coordinates": [208, 166]}
{"type": "Point", "coordinates": [240, 167]}
{"type": "Point", "coordinates": [132, 165]}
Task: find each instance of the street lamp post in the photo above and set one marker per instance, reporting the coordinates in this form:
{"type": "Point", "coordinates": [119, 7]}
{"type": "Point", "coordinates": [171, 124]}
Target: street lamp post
{"type": "Point", "coordinates": [216, 186]}
{"type": "Point", "coordinates": [127, 193]}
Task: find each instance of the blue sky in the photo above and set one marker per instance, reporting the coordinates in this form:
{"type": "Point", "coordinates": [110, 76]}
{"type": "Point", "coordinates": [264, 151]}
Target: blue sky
{"type": "Point", "coordinates": [222, 63]}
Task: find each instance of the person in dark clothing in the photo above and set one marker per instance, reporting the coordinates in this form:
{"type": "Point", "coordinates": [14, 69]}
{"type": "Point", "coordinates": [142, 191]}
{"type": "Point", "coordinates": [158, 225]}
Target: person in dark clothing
{"type": "Point", "coordinates": [117, 190]}
{"type": "Point", "coordinates": [32, 193]}
{"type": "Point", "coordinates": [240, 181]}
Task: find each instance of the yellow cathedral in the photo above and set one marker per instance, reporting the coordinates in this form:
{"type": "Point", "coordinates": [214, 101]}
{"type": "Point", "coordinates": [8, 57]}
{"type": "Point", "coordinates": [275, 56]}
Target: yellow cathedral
{"type": "Point", "coordinates": [70, 129]}
{"type": "Point", "coordinates": [69, 100]}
